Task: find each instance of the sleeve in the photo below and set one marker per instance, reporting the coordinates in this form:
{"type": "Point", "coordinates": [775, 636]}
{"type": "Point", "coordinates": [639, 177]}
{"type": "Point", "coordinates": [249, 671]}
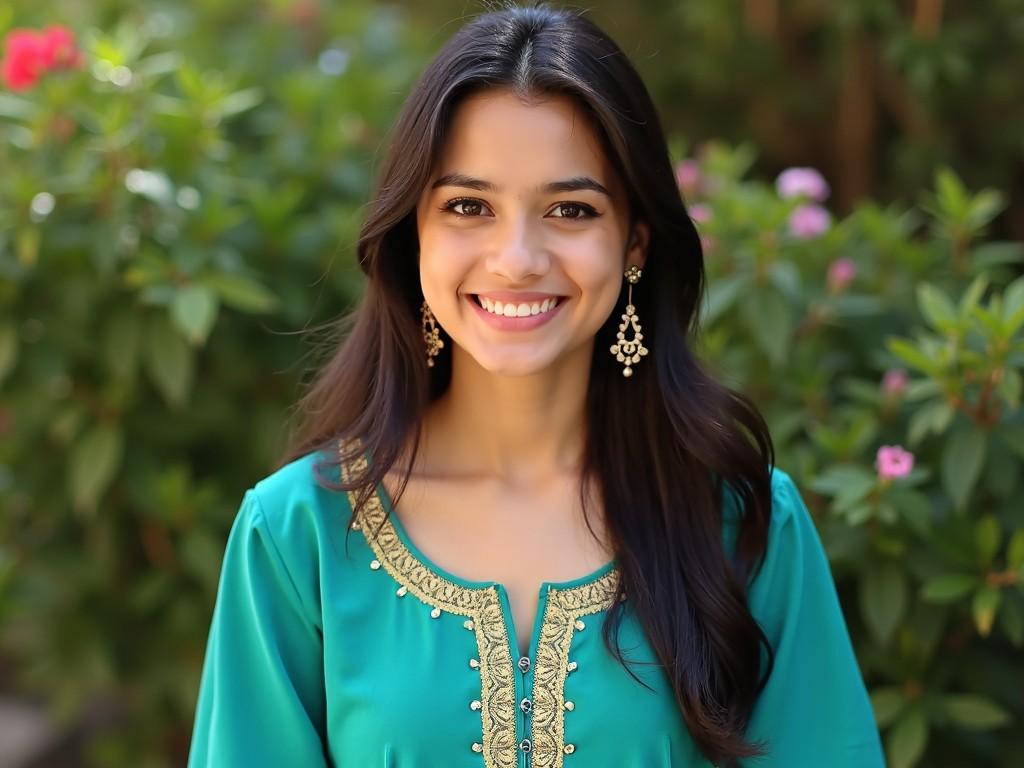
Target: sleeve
{"type": "Point", "coordinates": [261, 692]}
{"type": "Point", "coordinates": [814, 710]}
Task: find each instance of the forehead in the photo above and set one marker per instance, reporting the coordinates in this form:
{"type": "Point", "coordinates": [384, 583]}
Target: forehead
{"type": "Point", "coordinates": [498, 136]}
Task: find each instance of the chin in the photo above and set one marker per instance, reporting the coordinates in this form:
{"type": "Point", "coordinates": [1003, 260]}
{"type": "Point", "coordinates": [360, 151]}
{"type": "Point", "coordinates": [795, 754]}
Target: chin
{"type": "Point", "coordinates": [499, 365]}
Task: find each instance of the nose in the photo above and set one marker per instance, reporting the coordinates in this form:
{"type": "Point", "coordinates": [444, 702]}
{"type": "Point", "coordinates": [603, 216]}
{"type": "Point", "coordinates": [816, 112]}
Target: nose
{"type": "Point", "coordinates": [518, 251]}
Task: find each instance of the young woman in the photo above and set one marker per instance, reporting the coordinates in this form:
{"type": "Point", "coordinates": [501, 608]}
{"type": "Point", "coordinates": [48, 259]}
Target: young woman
{"type": "Point", "coordinates": [520, 525]}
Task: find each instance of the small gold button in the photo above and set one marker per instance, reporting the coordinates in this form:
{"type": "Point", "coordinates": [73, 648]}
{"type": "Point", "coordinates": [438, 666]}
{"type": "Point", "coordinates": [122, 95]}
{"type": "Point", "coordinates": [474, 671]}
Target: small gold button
{"type": "Point", "coordinates": [468, 624]}
{"type": "Point", "coordinates": [402, 590]}
{"type": "Point", "coordinates": [569, 749]}
{"type": "Point", "coordinates": [570, 706]}
{"type": "Point", "coordinates": [571, 666]}
{"type": "Point", "coordinates": [374, 564]}
{"type": "Point", "coordinates": [474, 663]}
{"type": "Point", "coordinates": [435, 613]}
{"type": "Point", "coordinates": [478, 747]}
{"type": "Point", "coordinates": [475, 705]}
{"type": "Point", "coordinates": [580, 624]}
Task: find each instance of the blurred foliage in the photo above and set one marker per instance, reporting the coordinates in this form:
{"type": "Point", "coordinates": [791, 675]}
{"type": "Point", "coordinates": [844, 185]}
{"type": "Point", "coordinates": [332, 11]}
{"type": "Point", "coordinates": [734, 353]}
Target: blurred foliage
{"type": "Point", "coordinates": [176, 210]}
{"type": "Point", "coordinates": [894, 328]}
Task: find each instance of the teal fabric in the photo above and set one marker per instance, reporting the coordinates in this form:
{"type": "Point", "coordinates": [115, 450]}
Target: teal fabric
{"type": "Point", "coordinates": [312, 660]}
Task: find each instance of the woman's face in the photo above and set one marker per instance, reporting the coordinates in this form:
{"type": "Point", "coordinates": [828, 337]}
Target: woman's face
{"type": "Point", "coordinates": [523, 206]}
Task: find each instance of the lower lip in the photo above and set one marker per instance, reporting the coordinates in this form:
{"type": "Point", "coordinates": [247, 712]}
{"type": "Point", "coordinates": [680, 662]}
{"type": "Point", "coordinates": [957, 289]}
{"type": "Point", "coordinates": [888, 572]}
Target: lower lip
{"type": "Point", "coordinates": [503, 323]}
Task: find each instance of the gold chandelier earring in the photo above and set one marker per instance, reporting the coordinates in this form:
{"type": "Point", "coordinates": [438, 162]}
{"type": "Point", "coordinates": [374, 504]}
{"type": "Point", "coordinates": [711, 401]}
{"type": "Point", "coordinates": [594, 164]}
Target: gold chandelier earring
{"type": "Point", "coordinates": [431, 334]}
{"type": "Point", "coordinates": [632, 350]}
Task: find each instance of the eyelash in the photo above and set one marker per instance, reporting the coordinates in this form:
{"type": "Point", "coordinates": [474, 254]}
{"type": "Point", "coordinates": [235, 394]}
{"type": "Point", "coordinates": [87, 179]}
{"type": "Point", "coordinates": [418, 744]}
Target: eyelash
{"type": "Point", "coordinates": [588, 211]}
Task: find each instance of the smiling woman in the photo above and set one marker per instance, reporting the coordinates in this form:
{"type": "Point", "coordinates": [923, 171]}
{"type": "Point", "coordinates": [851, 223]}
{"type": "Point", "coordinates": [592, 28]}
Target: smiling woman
{"type": "Point", "coordinates": [519, 525]}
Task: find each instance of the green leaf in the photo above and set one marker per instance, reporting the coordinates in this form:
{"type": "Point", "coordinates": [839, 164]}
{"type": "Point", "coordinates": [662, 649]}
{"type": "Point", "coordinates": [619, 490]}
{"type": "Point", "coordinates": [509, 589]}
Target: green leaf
{"type": "Point", "coordinates": [948, 587]}
{"type": "Point", "coordinates": [121, 345]}
{"type": "Point", "coordinates": [988, 535]}
{"type": "Point", "coordinates": [239, 101]}
{"type": "Point", "coordinates": [244, 294]}
{"type": "Point", "coordinates": [969, 301]}
{"type": "Point", "coordinates": [883, 600]}
{"type": "Point", "coordinates": [985, 206]}
{"type": "Point", "coordinates": [194, 311]}
{"type": "Point", "coordinates": [996, 254]}
{"type": "Point", "coordinates": [1011, 620]}
{"type": "Point", "coordinates": [937, 308]}
{"type": "Point", "coordinates": [1015, 550]}
{"type": "Point", "coordinates": [1013, 307]}
{"type": "Point", "coordinates": [767, 317]}
{"type": "Point", "coordinates": [911, 355]}
{"type": "Point", "coordinates": [8, 349]}
{"type": "Point", "coordinates": [169, 361]}
{"type": "Point", "coordinates": [984, 607]}
{"type": "Point", "coordinates": [962, 457]}
{"type": "Point", "coordinates": [907, 739]}
{"type": "Point", "coordinates": [952, 194]}
{"type": "Point", "coordinates": [841, 477]}
{"type": "Point", "coordinates": [1010, 387]}
{"type": "Point", "coordinates": [934, 417]}
{"type": "Point", "coordinates": [887, 702]}
{"type": "Point", "coordinates": [93, 464]}
{"type": "Point", "coordinates": [914, 508]}
{"type": "Point", "coordinates": [974, 712]}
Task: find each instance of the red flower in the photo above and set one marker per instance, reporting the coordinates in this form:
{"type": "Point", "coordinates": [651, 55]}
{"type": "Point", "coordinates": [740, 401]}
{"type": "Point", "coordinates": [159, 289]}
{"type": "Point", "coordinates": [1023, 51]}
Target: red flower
{"type": "Point", "coordinates": [58, 45]}
{"type": "Point", "coordinates": [30, 53]}
{"type": "Point", "coordinates": [23, 59]}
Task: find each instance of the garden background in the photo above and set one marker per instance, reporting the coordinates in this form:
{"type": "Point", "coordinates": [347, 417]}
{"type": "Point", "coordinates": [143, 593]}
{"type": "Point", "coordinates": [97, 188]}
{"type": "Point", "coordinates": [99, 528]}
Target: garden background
{"type": "Point", "coordinates": [181, 186]}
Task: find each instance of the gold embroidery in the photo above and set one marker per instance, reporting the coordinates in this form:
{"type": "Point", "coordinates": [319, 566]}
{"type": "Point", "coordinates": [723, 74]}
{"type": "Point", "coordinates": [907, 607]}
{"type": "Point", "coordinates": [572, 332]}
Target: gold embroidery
{"type": "Point", "coordinates": [483, 607]}
{"type": "Point", "coordinates": [564, 607]}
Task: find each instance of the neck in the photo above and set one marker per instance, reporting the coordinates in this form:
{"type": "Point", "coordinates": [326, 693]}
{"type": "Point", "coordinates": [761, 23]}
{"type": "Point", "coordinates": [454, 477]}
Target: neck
{"type": "Point", "coordinates": [520, 430]}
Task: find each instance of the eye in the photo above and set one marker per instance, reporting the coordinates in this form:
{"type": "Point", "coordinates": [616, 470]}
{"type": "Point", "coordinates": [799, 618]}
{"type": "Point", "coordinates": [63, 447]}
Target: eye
{"type": "Point", "coordinates": [570, 211]}
{"type": "Point", "coordinates": [471, 207]}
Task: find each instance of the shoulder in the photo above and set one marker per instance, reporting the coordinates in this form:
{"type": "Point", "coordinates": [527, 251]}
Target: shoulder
{"type": "Point", "coordinates": [786, 500]}
{"type": "Point", "coordinates": [297, 510]}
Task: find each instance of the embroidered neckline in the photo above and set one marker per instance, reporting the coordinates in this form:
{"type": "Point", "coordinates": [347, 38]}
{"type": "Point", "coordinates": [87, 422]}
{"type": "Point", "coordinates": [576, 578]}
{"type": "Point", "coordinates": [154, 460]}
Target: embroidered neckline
{"type": "Point", "coordinates": [482, 605]}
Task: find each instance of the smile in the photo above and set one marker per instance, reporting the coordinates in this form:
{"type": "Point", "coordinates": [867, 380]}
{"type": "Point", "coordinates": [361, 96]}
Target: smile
{"type": "Point", "coordinates": [525, 309]}
{"type": "Point", "coordinates": [516, 316]}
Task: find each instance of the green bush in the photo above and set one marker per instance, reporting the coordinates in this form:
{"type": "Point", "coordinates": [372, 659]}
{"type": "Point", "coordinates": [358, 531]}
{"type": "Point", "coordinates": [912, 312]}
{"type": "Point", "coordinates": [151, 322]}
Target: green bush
{"type": "Point", "coordinates": [886, 350]}
{"type": "Point", "coordinates": [176, 204]}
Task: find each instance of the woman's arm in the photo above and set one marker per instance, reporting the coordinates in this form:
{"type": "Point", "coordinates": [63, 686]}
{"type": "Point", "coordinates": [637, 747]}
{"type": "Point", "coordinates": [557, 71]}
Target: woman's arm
{"type": "Point", "coordinates": [814, 710]}
{"type": "Point", "coordinates": [261, 696]}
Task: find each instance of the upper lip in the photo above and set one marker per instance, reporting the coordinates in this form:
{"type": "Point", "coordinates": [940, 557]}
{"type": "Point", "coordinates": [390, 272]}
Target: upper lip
{"type": "Point", "coordinates": [518, 297]}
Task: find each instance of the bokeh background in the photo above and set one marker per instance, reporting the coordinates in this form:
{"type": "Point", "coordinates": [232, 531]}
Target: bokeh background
{"type": "Point", "coordinates": [181, 187]}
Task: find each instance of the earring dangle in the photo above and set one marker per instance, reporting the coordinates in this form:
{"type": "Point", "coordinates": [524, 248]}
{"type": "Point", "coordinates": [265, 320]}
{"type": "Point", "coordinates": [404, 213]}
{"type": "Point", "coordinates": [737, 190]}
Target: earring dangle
{"type": "Point", "coordinates": [629, 351]}
{"type": "Point", "coordinates": [431, 335]}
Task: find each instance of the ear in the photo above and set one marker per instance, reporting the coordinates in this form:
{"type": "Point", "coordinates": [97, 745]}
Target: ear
{"type": "Point", "coordinates": [639, 240]}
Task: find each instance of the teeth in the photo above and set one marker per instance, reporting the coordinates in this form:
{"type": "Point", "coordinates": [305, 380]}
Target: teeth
{"type": "Point", "coordinates": [516, 310]}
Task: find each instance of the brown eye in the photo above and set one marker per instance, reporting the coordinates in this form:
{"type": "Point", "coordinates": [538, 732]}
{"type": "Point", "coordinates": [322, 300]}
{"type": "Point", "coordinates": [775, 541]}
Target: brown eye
{"type": "Point", "coordinates": [575, 211]}
{"type": "Point", "coordinates": [470, 208]}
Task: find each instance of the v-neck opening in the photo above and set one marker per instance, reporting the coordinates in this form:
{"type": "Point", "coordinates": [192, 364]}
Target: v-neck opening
{"type": "Point", "coordinates": [429, 564]}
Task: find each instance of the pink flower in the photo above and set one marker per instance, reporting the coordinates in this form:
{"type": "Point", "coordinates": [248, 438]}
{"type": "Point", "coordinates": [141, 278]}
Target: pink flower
{"type": "Point", "coordinates": [23, 59]}
{"type": "Point", "coordinates": [893, 462]}
{"type": "Point", "coordinates": [840, 274]}
{"type": "Point", "coordinates": [700, 212]}
{"type": "Point", "coordinates": [894, 382]}
{"type": "Point", "coordinates": [688, 176]}
{"type": "Point", "coordinates": [808, 220]}
{"type": "Point", "coordinates": [802, 182]}
{"type": "Point", "coordinates": [58, 47]}
{"type": "Point", "coordinates": [29, 54]}
{"type": "Point", "coordinates": [707, 243]}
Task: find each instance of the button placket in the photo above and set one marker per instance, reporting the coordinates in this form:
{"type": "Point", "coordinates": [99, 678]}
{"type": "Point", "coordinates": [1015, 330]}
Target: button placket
{"type": "Point", "coordinates": [525, 709]}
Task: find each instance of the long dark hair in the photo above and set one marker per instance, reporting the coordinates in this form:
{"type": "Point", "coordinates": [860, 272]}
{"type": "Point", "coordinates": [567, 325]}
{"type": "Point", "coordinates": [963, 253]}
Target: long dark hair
{"type": "Point", "coordinates": [659, 445]}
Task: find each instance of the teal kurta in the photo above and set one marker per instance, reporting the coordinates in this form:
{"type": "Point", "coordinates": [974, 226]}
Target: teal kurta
{"type": "Point", "coordinates": [381, 658]}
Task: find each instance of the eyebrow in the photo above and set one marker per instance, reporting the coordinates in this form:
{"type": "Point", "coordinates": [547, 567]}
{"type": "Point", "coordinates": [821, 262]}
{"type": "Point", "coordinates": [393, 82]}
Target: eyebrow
{"type": "Point", "coordinates": [575, 184]}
